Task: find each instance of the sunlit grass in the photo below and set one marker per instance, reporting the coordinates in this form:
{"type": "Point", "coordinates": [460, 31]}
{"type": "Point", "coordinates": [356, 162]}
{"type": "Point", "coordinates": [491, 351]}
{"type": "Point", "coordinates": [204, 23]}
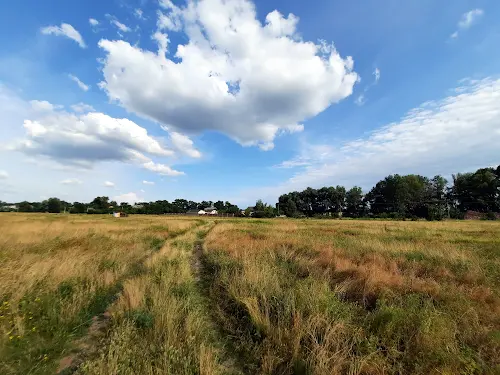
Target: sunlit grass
{"type": "Point", "coordinates": [261, 297]}
{"type": "Point", "coordinates": [59, 271]}
{"type": "Point", "coordinates": [359, 297]}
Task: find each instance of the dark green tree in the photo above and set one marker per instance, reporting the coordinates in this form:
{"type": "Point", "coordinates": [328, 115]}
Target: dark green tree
{"type": "Point", "coordinates": [354, 205]}
{"type": "Point", "coordinates": [78, 208]}
{"type": "Point", "coordinates": [100, 203]}
{"type": "Point", "coordinates": [54, 205]}
{"type": "Point", "coordinates": [25, 207]}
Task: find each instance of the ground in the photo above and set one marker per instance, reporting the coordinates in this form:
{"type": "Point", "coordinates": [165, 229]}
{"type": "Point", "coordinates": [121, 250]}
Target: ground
{"type": "Point", "coordinates": [93, 294]}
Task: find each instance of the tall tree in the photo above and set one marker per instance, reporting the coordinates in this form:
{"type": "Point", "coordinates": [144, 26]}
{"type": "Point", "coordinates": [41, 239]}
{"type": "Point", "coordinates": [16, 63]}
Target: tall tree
{"type": "Point", "coordinates": [100, 203]}
{"type": "Point", "coordinates": [54, 205]}
{"type": "Point", "coordinates": [478, 191]}
{"type": "Point", "coordinates": [219, 205]}
{"type": "Point", "coordinates": [354, 202]}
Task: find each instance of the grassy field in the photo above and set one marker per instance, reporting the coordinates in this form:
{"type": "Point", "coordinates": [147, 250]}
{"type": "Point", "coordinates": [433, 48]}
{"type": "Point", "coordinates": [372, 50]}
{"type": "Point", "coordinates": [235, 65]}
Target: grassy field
{"type": "Point", "coordinates": [173, 295]}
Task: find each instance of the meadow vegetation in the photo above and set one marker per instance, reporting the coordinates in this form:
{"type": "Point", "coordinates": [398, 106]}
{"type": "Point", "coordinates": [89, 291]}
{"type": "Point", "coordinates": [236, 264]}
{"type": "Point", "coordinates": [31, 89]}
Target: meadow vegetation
{"type": "Point", "coordinates": [358, 297]}
{"type": "Point", "coordinates": [60, 272]}
{"type": "Point", "coordinates": [91, 294]}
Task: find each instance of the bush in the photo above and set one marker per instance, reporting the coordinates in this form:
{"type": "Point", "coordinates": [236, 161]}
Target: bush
{"type": "Point", "coordinates": [142, 319]}
{"type": "Point", "coordinates": [490, 216]}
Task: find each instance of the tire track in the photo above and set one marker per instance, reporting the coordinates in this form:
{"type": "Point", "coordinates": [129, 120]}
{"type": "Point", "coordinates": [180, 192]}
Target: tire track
{"type": "Point", "coordinates": [87, 345]}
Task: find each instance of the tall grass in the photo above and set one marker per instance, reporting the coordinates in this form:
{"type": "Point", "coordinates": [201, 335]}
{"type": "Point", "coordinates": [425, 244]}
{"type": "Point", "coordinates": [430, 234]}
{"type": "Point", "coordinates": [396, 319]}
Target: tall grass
{"type": "Point", "coordinates": [315, 297]}
{"type": "Point", "coordinates": [58, 272]}
{"type": "Point", "coordinates": [161, 323]}
{"type": "Point", "coordinates": [162, 295]}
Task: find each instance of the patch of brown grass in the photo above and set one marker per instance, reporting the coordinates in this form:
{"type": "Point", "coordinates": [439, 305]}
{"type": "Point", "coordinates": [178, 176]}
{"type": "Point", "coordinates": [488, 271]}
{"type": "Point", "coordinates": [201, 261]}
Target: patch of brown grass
{"type": "Point", "coordinates": [444, 277]}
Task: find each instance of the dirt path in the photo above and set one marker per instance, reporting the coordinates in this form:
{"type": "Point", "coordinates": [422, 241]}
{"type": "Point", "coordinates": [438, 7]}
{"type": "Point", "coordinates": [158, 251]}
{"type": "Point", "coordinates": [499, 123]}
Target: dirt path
{"type": "Point", "coordinates": [230, 362]}
{"type": "Point", "coordinates": [88, 345]}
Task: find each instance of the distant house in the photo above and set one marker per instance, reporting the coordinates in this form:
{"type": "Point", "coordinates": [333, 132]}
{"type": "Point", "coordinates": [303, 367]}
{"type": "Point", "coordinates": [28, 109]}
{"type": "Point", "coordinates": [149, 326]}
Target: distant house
{"type": "Point", "coordinates": [210, 210]}
{"type": "Point", "coordinates": [11, 207]}
{"type": "Point", "coordinates": [193, 212]}
{"type": "Point", "coordinates": [120, 214]}
{"type": "Point", "coordinates": [202, 212]}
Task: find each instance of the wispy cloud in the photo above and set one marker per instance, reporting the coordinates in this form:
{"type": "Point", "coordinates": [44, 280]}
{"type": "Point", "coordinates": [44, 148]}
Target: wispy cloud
{"type": "Point", "coordinates": [80, 84]}
{"type": "Point", "coordinates": [457, 133]}
{"type": "Point", "coordinates": [65, 30]}
{"type": "Point", "coordinates": [93, 22]}
{"type": "Point", "coordinates": [139, 14]}
{"type": "Point", "coordinates": [361, 99]}
{"type": "Point", "coordinates": [109, 184]}
{"type": "Point", "coordinates": [148, 182]}
{"type": "Point", "coordinates": [122, 27]}
{"type": "Point", "coordinates": [71, 181]}
{"type": "Point", "coordinates": [4, 175]}
{"type": "Point", "coordinates": [468, 19]}
{"type": "Point", "coordinates": [82, 108]}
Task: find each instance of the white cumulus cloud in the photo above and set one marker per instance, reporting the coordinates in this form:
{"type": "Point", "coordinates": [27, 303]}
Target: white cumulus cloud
{"type": "Point", "coordinates": [65, 30]}
{"type": "Point", "coordinates": [130, 198]}
{"type": "Point", "coordinates": [248, 80]}
{"type": "Point", "coordinates": [93, 22]}
{"type": "Point", "coordinates": [183, 144]}
{"type": "Point", "coordinates": [80, 84]}
{"type": "Point", "coordinates": [84, 139]}
{"type": "Point", "coordinates": [109, 184]}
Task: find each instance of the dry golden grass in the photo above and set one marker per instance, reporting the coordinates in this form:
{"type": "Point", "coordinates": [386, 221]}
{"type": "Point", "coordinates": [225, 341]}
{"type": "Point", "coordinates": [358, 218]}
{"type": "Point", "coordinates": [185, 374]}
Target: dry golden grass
{"type": "Point", "coordinates": [263, 297]}
{"type": "Point", "coordinates": [172, 332]}
{"type": "Point", "coordinates": [60, 270]}
{"type": "Point", "coordinates": [359, 297]}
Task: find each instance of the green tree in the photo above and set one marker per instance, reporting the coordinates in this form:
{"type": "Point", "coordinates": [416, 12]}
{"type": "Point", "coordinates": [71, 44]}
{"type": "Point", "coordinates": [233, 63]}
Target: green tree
{"type": "Point", "coordinates": [289, 208]}
{"type": "Point", "coordinates": [78, 208]}
{"type": "Point", "coordinates": [219, 205]}
{"type": "Point", "coordinates": [100, 203]}
{"type": "Point", "coordinates": [259, 205]}
{"type": "Point", "coordinates": [354, 202]}
{"type": "Point", "coordinates": [54, 205]}
{"type": "Point", "coordinates": [478, 191]}
{"type": "Point", "coordinates": [25, 207]}
{"type": "Point", "coordinates": [401, 196]}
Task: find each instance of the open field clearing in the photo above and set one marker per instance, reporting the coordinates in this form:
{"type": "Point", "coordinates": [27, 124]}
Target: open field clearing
{"type": "Point", "coordinates": [358, 297]}
{"type": "Point", "coordinates": [64, 276]}
{"type": "Point", "coordinates": [93, 294]}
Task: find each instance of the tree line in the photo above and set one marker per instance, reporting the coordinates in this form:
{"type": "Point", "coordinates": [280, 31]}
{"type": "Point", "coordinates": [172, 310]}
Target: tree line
{"type": "Point", "coordinates": [396, 196]}
{"type": "Point", "coordinates": [407, 196]}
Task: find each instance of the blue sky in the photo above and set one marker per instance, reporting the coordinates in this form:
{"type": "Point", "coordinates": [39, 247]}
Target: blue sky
{"type": "Point", "coordinates": [240, 100]}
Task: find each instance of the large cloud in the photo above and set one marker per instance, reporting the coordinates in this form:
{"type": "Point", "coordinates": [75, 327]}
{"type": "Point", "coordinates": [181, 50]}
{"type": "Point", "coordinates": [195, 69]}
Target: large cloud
{"type": "Point", "coordinates": [235, 75]}
{"type": "Point", "coordinates": [85, 139]}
